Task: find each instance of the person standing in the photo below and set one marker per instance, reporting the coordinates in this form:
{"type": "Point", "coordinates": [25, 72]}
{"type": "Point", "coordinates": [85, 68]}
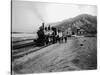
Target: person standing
{"type": "Point", "coordinates": [65, 37]}
{"type": "Point", "coordinates": [60, 36]}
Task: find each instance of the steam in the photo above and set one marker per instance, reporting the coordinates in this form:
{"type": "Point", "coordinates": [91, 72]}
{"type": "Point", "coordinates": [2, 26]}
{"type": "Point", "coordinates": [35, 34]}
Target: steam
{"type": "Point", "coordinates": [38, 14]}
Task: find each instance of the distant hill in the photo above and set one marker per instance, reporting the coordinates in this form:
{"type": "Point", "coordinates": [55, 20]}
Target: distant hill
{"type": "Point", "coordinates": [83, 21]}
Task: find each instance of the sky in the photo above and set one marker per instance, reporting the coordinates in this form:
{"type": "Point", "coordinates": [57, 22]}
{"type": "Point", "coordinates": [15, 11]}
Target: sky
{"type": "Point", "coordinates": [27, 16]}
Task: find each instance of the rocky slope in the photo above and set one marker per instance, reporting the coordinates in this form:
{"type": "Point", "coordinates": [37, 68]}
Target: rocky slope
{"type": "Point", "coordinates": [83, 21]}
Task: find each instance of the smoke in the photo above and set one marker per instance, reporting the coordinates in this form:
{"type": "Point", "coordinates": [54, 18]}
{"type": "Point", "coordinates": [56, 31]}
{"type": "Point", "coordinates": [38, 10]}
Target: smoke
{"type": "Point", "coordinates": [38, 14]}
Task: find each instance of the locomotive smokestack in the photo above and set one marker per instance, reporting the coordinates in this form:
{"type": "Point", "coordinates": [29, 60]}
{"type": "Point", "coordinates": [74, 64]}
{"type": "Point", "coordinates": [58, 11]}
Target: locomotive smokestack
{"type": "Point", "coordinates": [43, 25]}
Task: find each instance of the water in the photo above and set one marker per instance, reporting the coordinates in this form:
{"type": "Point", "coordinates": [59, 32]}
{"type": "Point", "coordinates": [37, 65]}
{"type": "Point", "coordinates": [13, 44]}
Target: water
{"type": "Point", "coordinates": [23, 36]}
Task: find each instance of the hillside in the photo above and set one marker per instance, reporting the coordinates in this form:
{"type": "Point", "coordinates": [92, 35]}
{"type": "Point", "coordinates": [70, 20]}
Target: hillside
{"type": "Point", "coordinates": [83, 21]}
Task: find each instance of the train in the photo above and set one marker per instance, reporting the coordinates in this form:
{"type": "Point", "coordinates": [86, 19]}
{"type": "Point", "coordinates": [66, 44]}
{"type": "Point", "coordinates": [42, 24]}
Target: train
{"type": "Point", "coordinates": [48, 35]}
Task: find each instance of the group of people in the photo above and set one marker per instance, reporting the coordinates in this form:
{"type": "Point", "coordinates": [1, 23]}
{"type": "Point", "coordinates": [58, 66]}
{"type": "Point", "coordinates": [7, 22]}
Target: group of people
{"type": "Point", "coordinates": [50, 35]}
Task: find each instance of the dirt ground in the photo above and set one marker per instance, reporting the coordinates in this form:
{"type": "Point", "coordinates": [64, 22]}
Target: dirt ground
{"type": "Point", "coordinates": [77, 54]}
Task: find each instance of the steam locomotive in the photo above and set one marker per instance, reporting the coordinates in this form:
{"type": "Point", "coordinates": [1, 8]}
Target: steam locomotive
{"type": "Point", "coordinates": [48, 35]}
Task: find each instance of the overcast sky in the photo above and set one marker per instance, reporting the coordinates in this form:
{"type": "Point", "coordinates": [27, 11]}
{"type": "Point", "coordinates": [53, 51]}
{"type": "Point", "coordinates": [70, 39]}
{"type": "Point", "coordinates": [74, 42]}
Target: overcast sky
{"type": "Point", "coordinates": [27, 16]}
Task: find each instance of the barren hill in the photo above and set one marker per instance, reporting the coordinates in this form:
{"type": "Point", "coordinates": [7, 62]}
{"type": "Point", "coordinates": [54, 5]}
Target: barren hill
{"type": "Point", "coordinates": [84, 21]}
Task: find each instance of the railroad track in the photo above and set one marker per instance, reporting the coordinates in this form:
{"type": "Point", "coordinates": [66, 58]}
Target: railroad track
{"type": "Point", "coordinates": [24, 49]}
{"type": "Point", "coordinates": [21, 44]}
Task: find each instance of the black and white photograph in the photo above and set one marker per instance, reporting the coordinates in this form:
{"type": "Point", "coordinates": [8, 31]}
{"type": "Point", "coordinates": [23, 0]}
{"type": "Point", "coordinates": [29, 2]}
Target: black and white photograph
{"type": "Point", "coordinates": [52, 37]}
